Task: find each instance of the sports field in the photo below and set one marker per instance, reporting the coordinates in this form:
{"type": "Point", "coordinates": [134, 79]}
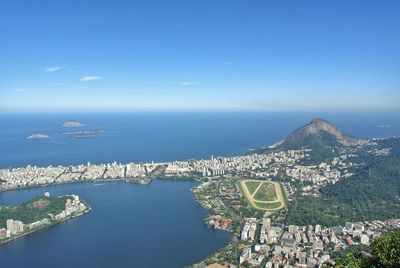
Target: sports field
{"type": "Point", "coordinates": [263, 195]}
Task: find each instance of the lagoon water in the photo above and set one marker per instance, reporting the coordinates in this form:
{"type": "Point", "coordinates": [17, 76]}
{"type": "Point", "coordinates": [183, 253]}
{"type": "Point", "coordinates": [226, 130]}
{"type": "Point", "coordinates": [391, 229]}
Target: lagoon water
{"type": "Point", "coordinates": [156, 225]}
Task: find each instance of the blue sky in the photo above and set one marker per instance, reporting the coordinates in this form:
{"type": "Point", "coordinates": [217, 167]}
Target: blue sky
{"type": "Point", "coordinates": [69, 55]}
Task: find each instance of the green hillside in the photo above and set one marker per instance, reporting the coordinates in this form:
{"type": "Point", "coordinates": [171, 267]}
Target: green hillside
{"type": "Point", "coordinates": [373, 192]}
{"type": "Point", "coordinates": [33, 210]}
{"type": "Point", "coordinates": [324, 146]}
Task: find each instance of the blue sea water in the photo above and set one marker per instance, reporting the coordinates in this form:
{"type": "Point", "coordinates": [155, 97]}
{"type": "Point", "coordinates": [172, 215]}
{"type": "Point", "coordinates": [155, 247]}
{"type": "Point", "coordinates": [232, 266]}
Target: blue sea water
{"type": "Point", "coordinates": [145, 137]}
{"type": "Point", "coordinates": [157, 225]}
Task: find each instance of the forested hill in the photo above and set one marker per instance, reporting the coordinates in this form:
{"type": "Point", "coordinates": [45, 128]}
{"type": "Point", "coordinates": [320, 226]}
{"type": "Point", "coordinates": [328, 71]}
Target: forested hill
{"type": "Point", "coordinates": [33, 210]}
{"type": "Point", "coordinates": [372, 193]}
{"type": "Point", "coordinates": [322, 137]}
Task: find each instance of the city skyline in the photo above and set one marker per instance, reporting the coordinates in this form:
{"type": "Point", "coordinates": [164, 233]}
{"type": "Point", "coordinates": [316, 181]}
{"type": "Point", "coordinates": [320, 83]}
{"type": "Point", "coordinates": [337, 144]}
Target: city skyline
{"type": "Point", "coordinates": [178, 55]}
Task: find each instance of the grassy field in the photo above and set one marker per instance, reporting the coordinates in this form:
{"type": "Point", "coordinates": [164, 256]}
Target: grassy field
{"type": "Point", "coordinates": [268, 206]}
{"type": "Point", "coordinates": [266, 192]}
{"type": "Point", "coordinates": [271, 193]}
{"type": "Point", "coordinates": [260, 194]}
{"type": "Point", "coordinates": [252, 186]}
{"type": "Point", "coordinates": [284, 194]}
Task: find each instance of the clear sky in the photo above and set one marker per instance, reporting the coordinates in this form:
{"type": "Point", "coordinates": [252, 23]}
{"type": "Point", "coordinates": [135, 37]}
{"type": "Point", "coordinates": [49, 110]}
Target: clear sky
{"type": "Point", "coordinates": [94, 55]}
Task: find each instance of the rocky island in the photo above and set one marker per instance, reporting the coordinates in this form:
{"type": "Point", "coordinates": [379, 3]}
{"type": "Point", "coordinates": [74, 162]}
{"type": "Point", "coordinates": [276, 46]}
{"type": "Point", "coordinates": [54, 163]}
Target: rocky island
{"type": "Point", "coordinates": [72, 124]}
{"type": "Point", "coordinates": [84, 134]}
{"type": "Point", "coordinates": [38, 213]}
{"type": "Point", "coordinates": [37, 136]}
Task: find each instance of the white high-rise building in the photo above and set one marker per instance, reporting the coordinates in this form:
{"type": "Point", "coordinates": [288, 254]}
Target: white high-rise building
{"type": "Point", "coordinates": [15, 227]}
{"type": "Point", "coordinates": [267, 223]}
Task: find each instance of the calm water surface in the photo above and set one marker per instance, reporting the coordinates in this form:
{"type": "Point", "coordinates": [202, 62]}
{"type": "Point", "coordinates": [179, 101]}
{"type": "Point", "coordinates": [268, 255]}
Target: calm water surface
{"type": "Point", "coordinates": [145, 137]}
{"type": "Point", "coordinates": [156, 225]}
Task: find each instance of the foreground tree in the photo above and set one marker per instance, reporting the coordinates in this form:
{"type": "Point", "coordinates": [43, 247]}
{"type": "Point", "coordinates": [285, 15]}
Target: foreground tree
{"type": "Point", "coordinates": [385, 254]}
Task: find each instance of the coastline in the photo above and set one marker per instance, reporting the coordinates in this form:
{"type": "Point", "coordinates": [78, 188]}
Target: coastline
{"type": "Point", "coordinates": [180, 171]}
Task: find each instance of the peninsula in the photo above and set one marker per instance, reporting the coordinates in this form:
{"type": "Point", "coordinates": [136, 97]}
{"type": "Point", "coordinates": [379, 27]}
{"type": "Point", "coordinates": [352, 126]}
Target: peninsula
{"type": "Point", "coordinates": [38, 213]}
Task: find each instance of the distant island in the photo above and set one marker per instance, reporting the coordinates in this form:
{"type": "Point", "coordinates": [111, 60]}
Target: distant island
{"type": "Point", "coordinates": [37, 136]}
{"type": "Point", "coordinates": [72, 124]}
{"type": "Point", "coordinates": [74, 134]}
{"type": "Point", "coordinates": [383, 125]}
{"type": "Point", "coordinates": [84, 134]}
{"type": "Point", "coordinates": [38, 213]}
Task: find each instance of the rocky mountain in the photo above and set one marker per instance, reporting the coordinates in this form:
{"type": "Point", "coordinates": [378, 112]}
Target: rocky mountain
{"type": "Point", "coordinates": [322, 137]}
{"type": "Point", "coordinates": [317, 127]}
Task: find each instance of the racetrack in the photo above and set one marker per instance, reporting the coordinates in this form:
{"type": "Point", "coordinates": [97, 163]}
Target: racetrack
{"type": "Point", "coordinates": [253, 202]}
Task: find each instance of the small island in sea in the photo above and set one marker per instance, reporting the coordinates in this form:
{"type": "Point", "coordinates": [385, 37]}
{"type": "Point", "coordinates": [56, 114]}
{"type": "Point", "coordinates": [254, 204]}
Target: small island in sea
{"type": "Point", "coordinates": [383, 125]}
{"type": "Point", "coordinates": [72, 124]}
{"type": "Point", "coordinates": [38, 213]}
{"type": "Point", "coordinates": [37, 136]}
{"type": "Point", "coordinates": [84, 134]}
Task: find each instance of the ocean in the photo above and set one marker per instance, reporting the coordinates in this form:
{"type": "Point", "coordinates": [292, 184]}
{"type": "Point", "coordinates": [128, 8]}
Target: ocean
{"type": "Point", "coordinates": [159, 137]}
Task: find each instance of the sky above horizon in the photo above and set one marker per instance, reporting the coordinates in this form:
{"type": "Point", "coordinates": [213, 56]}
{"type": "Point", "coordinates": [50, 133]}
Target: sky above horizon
{"type": "Point", "coordinates": [70, 55]}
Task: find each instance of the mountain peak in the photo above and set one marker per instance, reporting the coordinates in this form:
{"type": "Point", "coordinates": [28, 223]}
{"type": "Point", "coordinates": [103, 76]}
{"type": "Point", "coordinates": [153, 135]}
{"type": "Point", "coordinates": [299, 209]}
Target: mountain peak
{"type": "Point", "coordinates": [321, 136]}
{"type": "Point", "coordinates": [317, 120]}
{"type": "Point", "coordinates": [316, 127]}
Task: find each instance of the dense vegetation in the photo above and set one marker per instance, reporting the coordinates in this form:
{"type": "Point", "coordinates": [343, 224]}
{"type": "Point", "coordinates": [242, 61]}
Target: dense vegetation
{"type": "Point", "coordinates": [33, 210]}
{"type": "Point", "coordinates": [384, 252]}
{"type": "Point", "coordinates": [373, 193]}
{"type": "Point", "coordinates": [324, 147]}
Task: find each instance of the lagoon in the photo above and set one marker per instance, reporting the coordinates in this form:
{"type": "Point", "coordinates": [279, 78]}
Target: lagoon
{"type": "Point", "coordinates": [130, 225]}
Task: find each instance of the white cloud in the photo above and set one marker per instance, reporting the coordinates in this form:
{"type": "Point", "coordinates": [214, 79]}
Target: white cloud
{"type": "Point", "coordinates": [91, 78]}
{"type": "Point", "coordinates": [189, 83]}
{"type": "Point", "coordinates": [19, 90]}
{"type": "Point", "coordinates": [53, 69]}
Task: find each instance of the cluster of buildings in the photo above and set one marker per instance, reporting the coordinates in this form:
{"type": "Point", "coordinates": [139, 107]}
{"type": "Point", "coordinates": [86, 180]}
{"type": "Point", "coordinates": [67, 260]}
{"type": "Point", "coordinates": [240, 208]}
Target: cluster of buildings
{"type": "Point", "coordinates": [31, 176]}
{"type": "Point", "coordinates": [253, 165]}
{"type": "Point", "coordinates": [73, 206]}
{"type": "Point", "coordinates": [16, 228]}
{"type": "Point", "coordinates": [265, 166]}
{"type": "Point", "coordinates": [250, 165]}
{"type": "Point", "coordinates": [249, 229]}
{"type": "Point", "coordinates": [320, 175]}
{"type": "Point", "coordinates": [219, 222]}
{"type": "Point", "coordinates": [303, 246]}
